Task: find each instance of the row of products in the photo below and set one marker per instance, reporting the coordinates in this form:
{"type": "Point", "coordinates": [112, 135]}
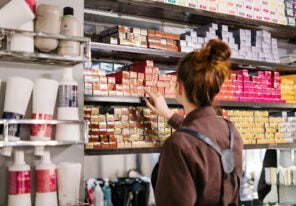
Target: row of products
{"type": "Point", "coordinates": [262, 126]}
{"type": "Point", "coordinates": [48, 177]}
{"type": "Point", "coordinates": [242, 85]}
{"type": "Point", "coordinates": [275, 11]}
{"type": "Point", "coordinates": [280, 176]}
{"type": "Point", "coordinates": [244, 43]}
{"type": "Point", "coordinates": [118, 126]}
{"type": "Point", "coordinates": [48, 20]}
{"type": "Point", "coordinates": [142, 75]}
{"type": "Point", "coordinates": [117, 192]}
{"type": "Point", "coordinates": [126, 127]}
{"type": "Point", "coordinates": [17, 96]}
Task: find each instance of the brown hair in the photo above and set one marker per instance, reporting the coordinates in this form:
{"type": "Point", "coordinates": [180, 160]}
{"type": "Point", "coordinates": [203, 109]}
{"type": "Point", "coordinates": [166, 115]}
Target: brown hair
{"type": "Point", "coordinates": [203, 72]}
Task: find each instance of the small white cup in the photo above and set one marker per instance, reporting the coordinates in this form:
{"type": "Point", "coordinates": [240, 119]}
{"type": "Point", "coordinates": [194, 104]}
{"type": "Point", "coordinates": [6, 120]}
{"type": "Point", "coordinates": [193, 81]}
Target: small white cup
{"type": "Point", "coordinates": [68, 176]}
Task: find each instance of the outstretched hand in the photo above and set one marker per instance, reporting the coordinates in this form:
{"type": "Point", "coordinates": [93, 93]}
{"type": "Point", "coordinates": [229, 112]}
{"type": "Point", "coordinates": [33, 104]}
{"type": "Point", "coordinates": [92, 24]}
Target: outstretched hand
{"type": "Point", "coordinates": [156, 102]}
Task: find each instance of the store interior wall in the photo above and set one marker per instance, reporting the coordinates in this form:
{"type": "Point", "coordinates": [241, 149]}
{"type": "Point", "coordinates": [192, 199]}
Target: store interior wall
{"type": "Point", "coordinates": [72, 153]}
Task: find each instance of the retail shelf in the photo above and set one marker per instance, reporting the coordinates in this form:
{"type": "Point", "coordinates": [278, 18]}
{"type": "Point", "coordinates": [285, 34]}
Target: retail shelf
{"type": "Point", "coordinates": [9, 55]}
{"type": "Point", "coordinates": [101, 50]}
{"type": "Point", "coordinates": [37, 143]}
{"type": "Point", "coordinates": [117, 151]}
{"type": "Point", "coordinates": [179, 14]}
{"type": "Point", "coordinates": [5, 142]}
{"type": "Point", "coordinates": [171, 101]}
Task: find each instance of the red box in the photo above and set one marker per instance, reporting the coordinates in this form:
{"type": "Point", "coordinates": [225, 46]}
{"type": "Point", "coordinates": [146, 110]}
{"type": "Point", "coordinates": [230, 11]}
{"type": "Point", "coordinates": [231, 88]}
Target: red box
{"type": "Point", "coordinates": [141, 65]}
{"type": "Point", "coordinates": [120, 75]}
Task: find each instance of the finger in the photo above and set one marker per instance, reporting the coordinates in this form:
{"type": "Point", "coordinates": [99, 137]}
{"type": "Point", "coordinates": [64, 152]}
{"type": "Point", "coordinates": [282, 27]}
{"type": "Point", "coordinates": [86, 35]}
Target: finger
{"type": "Point", "coordinates": [148, 103]}
{"type": "Point", "coordinates": [149, 93]}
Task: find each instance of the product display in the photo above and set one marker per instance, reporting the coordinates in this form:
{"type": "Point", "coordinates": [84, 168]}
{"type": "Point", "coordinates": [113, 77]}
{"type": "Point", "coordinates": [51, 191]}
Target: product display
{"type": "Point", "coordinates": [43, 107]}
{"type": "Point", "coordinates": [126, 127]}
{"type": "Point", "coordinates": [70, 26]}
{"type": "Point", "coordinates": [17, 96]}
{"type": "Point", "coordinates": [19, 181]}
{"type": "Point", "coordinates": [47, 21]}
{"type": "Point", "coordinates": [68, 108]}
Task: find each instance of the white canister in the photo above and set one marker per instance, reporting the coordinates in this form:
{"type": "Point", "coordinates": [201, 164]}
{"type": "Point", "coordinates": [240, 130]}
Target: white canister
{"type": "Point", "coordinates": [17, 96]}
{"type": "Point", "coordinates": [48, 20]}
{"type": "Point", "coordinates": [23, 42]}
{"type": "Point", "coordinates": [44, 99]}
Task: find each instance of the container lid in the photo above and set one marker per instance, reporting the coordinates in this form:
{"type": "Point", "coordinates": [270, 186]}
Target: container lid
{"type": "Point", "coordinates": [68, 11]}
{"type": "Point", "coordinates": [68, 74]}
{"type": "Point", "coordinates": [45, 157]}
{"type": "Point", "coordinates": [19, 157]}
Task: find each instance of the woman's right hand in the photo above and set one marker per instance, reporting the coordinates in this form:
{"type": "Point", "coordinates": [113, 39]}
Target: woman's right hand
{"type": "Point", "coordinates": [156, 102]}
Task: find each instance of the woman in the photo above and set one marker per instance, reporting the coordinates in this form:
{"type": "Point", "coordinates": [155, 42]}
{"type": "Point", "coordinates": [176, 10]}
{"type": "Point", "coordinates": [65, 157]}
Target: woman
{"type": "Point", "coordinates": [190, 171]}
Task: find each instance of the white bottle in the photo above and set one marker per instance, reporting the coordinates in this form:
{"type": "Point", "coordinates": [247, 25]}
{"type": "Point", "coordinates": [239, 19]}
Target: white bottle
{"type": "Point", "coordinates": [68, 108]}
{"type": "Point", "coordinates": [70, 26]}
{"type": "Point", "coordinates": [19, 189]}
{"type": "Point", "coordinates": [99, 196]}
{"type": "Point", "coordinates": [48, 20]}
{"type": "Point", "coordinates": [46, 182]}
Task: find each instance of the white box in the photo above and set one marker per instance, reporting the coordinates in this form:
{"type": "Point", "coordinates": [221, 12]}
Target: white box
{"type": "Point", "coordinates": [191, 3]}
{"type": "Point", "coordinates": [257, 12]}
{"type": "Point", "coordinates": [212, 5]}
{"type": "Point", "coordinates": [222, 7]}
{"type": "Point", "coordinates": [231, 7]}
{"type": "Point", "coordinates": [249, 12]}
{"type": "Point", "coordinates": [202, 4]}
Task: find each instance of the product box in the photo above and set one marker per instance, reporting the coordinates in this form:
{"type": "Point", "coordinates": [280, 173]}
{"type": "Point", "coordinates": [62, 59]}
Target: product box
{"type": "Point", "coordinates": [202, 4]}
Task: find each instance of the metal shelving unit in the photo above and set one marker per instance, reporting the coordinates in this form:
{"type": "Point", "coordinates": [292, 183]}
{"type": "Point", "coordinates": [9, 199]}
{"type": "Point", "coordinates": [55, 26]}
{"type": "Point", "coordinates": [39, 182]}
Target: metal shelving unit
{"type": "Point", "coordinates": [179, 14]}
{"type": "Point", "coordinates": [102, 50]}
{"type": "Point", "coordinates": [118, 151]}
{"type": "Point", "coordinates": [7, 143]}
{"type": "Point", "coordinates": [171, 101]}
{"type": "Point", "coordinates": [8, 55]}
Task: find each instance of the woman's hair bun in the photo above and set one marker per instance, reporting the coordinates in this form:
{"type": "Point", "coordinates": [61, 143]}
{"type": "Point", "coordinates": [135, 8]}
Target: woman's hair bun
{"type": "Point", "coordinates": [217, 50]}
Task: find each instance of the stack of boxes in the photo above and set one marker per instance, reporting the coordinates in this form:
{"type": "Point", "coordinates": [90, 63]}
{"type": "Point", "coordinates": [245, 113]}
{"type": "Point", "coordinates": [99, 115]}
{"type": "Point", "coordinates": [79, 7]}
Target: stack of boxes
{"type": "Point", "coordinates": [256, 127]}
{"type": "Point", "coordinates": [290, 12]}
{"type": "Point", "coordinates": [275, 11]}
{"type": "Point", "coordinates": [289, 126]}
{"type": "Point", "coordinates": [126, 127]}
{"type": "Point", "coordinates": [244, 44]}
{"type": "Point", "coordinates": [261, 86]}
{"type": "Point", "coordinates": [133, 36]}
{"type": "Point", "coordinates": [142, 75]}
{"type": "Point", "coordinates": [288, 88]}
{"type": "Point", "coordinates": [255, 45]}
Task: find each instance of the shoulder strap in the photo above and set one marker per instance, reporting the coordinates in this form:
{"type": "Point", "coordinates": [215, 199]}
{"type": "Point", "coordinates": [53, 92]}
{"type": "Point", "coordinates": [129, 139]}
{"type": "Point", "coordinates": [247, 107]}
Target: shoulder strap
{"type": "Point", "coordinates": [207, 140]}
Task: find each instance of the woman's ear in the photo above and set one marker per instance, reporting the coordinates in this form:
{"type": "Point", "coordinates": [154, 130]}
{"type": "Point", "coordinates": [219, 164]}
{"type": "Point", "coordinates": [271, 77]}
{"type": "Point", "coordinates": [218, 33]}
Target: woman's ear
{"type": "Point", "coordinates": [179, 87]}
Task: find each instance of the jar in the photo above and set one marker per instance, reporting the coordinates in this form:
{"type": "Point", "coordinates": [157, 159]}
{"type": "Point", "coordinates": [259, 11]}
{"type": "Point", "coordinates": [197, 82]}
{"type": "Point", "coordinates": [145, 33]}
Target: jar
{"type": "Point", "coordinates": [48, 20]}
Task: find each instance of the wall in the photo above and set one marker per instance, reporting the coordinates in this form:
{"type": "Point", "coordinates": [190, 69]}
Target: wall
{"type": "Point", "coordinates": [59, 154]}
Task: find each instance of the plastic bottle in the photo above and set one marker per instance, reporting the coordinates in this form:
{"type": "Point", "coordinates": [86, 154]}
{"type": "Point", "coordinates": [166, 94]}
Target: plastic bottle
{"type": "Point", "coordinates": [19, 182]}
{"type": "Point", "coordinates": [70, 26]}
{"type": "Point", "coordinates": [46, 182]}
{"type": "Point", "coordinates": [107, 193]}
{"type": "Point", "coordinates": [99, 196]}
{"type": "Point", "coordinates": [68, 108]}
{"type": "Point", "coordinates": [48, 20]}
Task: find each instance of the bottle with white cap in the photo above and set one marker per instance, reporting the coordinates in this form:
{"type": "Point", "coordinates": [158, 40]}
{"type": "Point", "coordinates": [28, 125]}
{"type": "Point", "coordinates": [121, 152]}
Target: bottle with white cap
{"type": "Point", "coordinates": [46, 182]}
{"type": "Point", "coordinates": [19, 192]}
{"type": "Point", "coordinates": [68, 108]}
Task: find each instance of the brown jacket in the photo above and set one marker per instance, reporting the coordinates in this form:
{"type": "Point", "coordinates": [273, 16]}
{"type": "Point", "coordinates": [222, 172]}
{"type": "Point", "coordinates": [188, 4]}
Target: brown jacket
{"type": "Point", "coordinates": [190, 172]}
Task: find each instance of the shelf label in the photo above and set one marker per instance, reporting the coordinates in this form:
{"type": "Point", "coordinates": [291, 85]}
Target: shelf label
{"type": "Point", "coordinates": [46, 180]}
{"type": "Point", "coordinates": [41, 130]}
{"type": "Point", "coordinates": [14, 130]}
{"type": "Point", "coordinates": [19, 182]}
{"type": "Point", "coordinates": [67, 96]}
